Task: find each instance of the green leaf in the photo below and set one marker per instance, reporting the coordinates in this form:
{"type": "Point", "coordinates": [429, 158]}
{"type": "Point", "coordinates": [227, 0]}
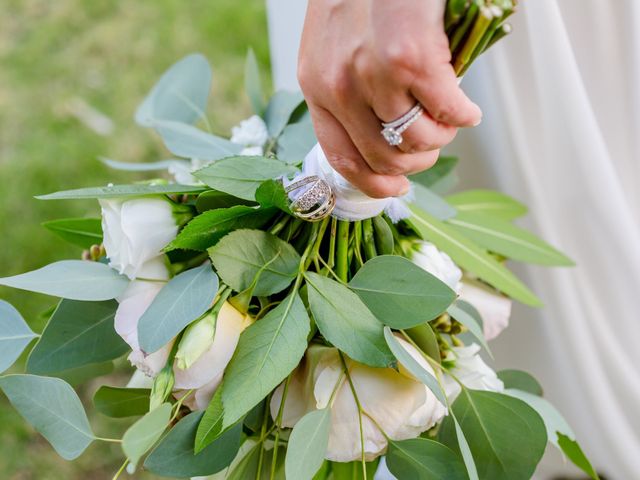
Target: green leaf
{"type": "Point", "coordinates": [142, 166]}
{"type": "Point", "coordinates": [184, 299]}
{"type": "Point", "coordinates": [463, 446]}
{"type": "Point", "coordinates": [81, 375]}
{"type": "Point", "coordinates": [188, 141]}
{"type": "Point", "coordinates": [399, 293]}
{"type": "Point", "coordinates": [143, 434]}
{"type": "Point", "coordinates": [272, 194]}
{"type": "Point", "coordinates": [212, 200]}
{"type": "Point", "coordinates": [413, 366]}
{"type": "Point", "coordinates": [267, 352]}
{"type": "Point", "coordinates": [573, 451]}
{"type": "Point", "coordinates": [296, 141]}
{"type": "Point", "coordinates": [432, 203]}
{"type": "Point", "coordinates": [502, 237]}
{"type": "Point", "coordinates": [461, 311]}
{"type": "Point", "coordinates": [487, 202]}
{"type": "Point", "coordinates": [472, 258]}
{"type": "Point", "coordinates": [346, 322]}
{"type": "Point", "coordinates": [15, 335]}
{"type": "Point", "coordinates": [425, 338]}
{"type": "Point", "coordinates": [279, 110]}
{"type": "Point", "coordinates": [383, 236]}
{"type": "Point", "coordinates": [241, 176]}
{"type": "Point", "coordinates": [252, 83]}
{"type": "Point", "coordinates": [53, 408]}
{"type": "Point", "coordinates": [83, 232]}
{"type": "Point", "coordinates": [207, 228]}
{"type": "Point", "coordinates": [506, 436]}
{"type": "Point", "coordinates": [519, 380]}
{"type": "Point", "coordinates": [439, 178]}
{"type": "Point", "coordinates": [78, 334]}
{"type": "Point", "coordinates": [72, 279]}
{"type": "Point", "coordinates": [174, 455]}
{"type": "Point", "coordinates": [353, 470]}
{"type": "Point", "coordinates": [180, 94]}
{"type": "Point", "coordinates": [241, 255]}
{"type": "Point", "coordinates": [118, 402]}
{"type": "Point", "coordinates": [308, 444]}
{"type": "Point", "coordinates": [423, 459]}
{"type": "Point", "coordinates": [118, 191]}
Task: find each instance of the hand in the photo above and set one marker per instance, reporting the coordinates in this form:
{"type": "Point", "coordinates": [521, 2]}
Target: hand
{"type": "Point", "coordinates": [366, 61]}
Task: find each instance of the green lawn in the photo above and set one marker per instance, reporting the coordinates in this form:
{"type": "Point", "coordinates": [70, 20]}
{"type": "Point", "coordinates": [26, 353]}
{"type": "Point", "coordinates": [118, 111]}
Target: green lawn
{"type": "Point", "coordinates": [105, 54]}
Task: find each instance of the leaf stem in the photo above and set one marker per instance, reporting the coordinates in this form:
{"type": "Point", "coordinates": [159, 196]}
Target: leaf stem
{"type": "Point", "coordinates": [121, 469]}
{"type": "Point", "coordinates": [332, 242]}
{"type": "Point", "coordinates": [110, 440]}
{"type": "Point", "coordinates": [360, 411]}
{"type": "Point", "coordinates": [342, 251]}
{"type": "Point", "coordinates": [263, 435]}
{"type": "Point", "coordinates": [368, 239]}
{"type": "Point", "coordinates": [278, 421]}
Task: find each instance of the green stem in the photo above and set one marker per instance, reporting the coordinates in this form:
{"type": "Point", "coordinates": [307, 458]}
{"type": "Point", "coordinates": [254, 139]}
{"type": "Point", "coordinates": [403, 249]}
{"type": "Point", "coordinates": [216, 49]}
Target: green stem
{"type": "Point", "coordinates": [461, 31]}
{"type": "Point", "coordinates": [480, 27]}
{"type": "Point", "coordinates": [121, 469]}
{"type": "Point", "coordinates": [278, 421]}
{"type": "Point", "coordinates": [332, 242]}
{"type": "Point", "coordinates": [368, 239]}
{"type": "Point", "coordinates": [357, 237]}
{"type": "Point", "coordinates": [280, 224]}
{"type": "Point", "coordinates": [360, 411]}
{"type": "Point", "coordinates": [342, 250]}
{"type": "Point", "coordinates": [263, 434]}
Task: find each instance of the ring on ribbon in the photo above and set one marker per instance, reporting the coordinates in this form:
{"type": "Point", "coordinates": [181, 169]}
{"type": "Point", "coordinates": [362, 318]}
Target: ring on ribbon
{"type": "Point", "coordinates": [316, 202]}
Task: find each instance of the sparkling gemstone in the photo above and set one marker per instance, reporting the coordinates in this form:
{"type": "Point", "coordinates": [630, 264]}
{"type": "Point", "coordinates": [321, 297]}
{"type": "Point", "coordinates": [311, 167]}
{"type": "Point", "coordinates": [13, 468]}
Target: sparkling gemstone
{"type": "Point", "coordinates": [392, 137]}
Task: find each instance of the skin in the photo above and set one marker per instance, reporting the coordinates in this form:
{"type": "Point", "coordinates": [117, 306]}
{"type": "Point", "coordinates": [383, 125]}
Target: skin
{"type": "Point", "coordinates": [366, 61]}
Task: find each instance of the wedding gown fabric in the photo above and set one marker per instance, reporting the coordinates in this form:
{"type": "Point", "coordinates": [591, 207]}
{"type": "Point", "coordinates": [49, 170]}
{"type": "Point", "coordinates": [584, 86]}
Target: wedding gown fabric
{"type": "Point", "coordinates": [561, 132]}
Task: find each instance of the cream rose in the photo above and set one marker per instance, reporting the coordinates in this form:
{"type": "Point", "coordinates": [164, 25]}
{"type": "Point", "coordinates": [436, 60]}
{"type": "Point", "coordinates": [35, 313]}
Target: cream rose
{"type": "Point", "coordinates": [493, 307]}
{"type": "Point", "coordinates": [438, 264]}
{"type": "Point", "coordinates": [472, 371]}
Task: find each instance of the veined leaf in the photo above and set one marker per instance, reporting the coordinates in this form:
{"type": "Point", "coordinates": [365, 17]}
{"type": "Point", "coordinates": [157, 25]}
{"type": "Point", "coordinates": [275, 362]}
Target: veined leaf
{"type": "Point", "coordinates": [573, 451]}
{"type": "Point", "coordinates": [296, 140]}
{"type": "Point", "coordinates": [253, 84]}
{"type": "Point", "coordinates": [461, 311]}
{"type": "Point", "coordinates": [53, 408]}
{"type": "Point", "coordinates": [212, 200]}
{"type": "Point", "coordinates": [279, 110]}
{"type": "Point", "coordinates": [432, 203]}
{"type": "Point", "coordinates": [72, 279]}
{"type": "Point", "coordinates": [241, 255]}
{"type": "Point", "coordinates": [272, 194]}
{"type": "Point", "coordinates": [425, 338]}
{"type": "Point", "coordinates": [118, 191]}
{"type": "Point", "coordinates": [399, 293]}
{"type": "Point", "coordinates": [488, 202]}
{"type": "Point", "coordinates": [241, 176]}
{"type": "Point", "coordinates": [440, 178]}
{"type": "Point", "coordinates": [424, 459]}
{"type": "Point", "coordinates": [118, 402]}
{"type": "Point", "coordinates": [77, 334]}
{"type": "Point", "coordinates": [181, 301]}
{"type": "Point", "coordinates": [142, 166]}
{"type": "Point", "coordinates": [188, 141]}
{"type": "Point", "coordinates": [308, 444]}
{"type": "Point", "coordinates": [143, 434]}
{"type": "Point", "coordinates": [83, 232]}
{"type": "Point", "coordinates": [471, 257]}
{"type": "Point", "coordinates": [15, 335]}
{"type": "Point", "coordinates": [464, 448]}
{"type": "Point", "coordinates": [519, 380]}
{"type": "Point", "coordinates": [502, 237]}
{"type": "Point", "coordinates": [346, 322]}
{"type": "Point", "coordinates": [207, 228]}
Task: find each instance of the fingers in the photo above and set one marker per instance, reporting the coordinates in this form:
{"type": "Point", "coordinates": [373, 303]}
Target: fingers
{"type": "Point", "coordinates": [345, 158]}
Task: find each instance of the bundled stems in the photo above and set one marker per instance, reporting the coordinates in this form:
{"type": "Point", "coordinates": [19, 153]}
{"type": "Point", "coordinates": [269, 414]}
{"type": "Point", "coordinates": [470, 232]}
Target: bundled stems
{"type": "Point", "coordinates": [342, 250]}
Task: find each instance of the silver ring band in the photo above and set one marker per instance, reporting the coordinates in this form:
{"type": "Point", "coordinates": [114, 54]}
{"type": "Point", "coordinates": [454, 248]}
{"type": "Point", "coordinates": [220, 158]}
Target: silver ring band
{"type": "Point", "coordinates": [392, 131]}
{"type": "Point", "coordinates": [316, 202]}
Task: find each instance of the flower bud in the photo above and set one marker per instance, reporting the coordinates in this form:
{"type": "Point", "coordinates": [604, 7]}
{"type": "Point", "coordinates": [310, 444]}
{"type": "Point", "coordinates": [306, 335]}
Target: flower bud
{"type": "Point", "coordinates": [197, 339]}
{"type": "Point", "coordinates": [162, 387]}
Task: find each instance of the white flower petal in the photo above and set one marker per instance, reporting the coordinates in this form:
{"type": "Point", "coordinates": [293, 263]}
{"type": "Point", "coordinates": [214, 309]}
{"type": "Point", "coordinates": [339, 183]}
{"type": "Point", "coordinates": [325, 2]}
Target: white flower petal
{"type": "Point", "coordinates": [251, 132]}
{"type": "Point", "coordinates": [494, 308]}
{"type": "Point", "coordinates": [438, 264]}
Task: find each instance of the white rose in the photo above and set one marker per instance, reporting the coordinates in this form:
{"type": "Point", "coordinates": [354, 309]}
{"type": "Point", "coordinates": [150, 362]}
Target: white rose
{"type": "Point", "coordinates": [136, 231]}
{"type": "Point", "coordinates": [471, 370]}
{"type": "Point", "coordinates": [401, 405]}
{"type": "Point", "coordinates": [438, 264]}
{"type": "Point", "coordinates": [251, 132]}
{"type": "Point", "coordinates": [493, 307]}
{"type": "Point", "coordinates": [215, 351]}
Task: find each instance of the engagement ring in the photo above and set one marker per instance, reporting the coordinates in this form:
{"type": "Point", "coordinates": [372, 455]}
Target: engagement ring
{"type": "Point", "coordinates": [392, 131]}
{"type": "Point", "coordinates": [316, 202]}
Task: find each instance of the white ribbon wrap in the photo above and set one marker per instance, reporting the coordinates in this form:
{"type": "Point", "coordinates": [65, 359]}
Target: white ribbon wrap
{"type": "Point", "coordinates": [351, 203]}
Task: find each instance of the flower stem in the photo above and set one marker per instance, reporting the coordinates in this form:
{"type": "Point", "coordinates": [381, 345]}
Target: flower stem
{"type": "Point", "coordinates": [360, 412]}
{"type": "Point", "coordinates": [121, 469]}
{"type": "Point", "coordinates": [368, 239]}
{"type": "Point", "coordinates": [263, 435]}
{"type": "Point", "coordinates": [342, 250]}
{"type": "Point", "coordinates": [278, 421]}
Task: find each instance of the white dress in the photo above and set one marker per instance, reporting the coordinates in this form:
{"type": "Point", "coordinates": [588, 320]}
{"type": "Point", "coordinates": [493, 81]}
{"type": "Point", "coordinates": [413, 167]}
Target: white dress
{"type": "Point", "coordinates": [561, 132]}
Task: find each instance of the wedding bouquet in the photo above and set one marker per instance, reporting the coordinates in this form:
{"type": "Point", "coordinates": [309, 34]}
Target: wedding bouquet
{"type": "Point", "coordinates": [266, 345]}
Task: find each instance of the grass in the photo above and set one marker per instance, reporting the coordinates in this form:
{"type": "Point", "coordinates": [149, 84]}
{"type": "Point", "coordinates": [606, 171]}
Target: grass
{"type": "Point", "coordinates": [106, 54]}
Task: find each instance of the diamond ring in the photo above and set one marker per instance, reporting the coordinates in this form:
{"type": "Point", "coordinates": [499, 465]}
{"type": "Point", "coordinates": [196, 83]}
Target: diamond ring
{"type": "Point", "coordinates": [316, 202]}
{"type": "Point", "coordinates": [392, 131]}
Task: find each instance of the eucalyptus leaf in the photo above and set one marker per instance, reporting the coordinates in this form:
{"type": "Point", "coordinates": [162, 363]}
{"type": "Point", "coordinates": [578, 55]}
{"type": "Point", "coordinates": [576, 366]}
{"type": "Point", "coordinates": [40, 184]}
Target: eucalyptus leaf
{"type": "Point", "coordinates": [80, 375]}
{"type": "Point", "coordinates": [425, 338]}
{"type": "Point", "coordinates": [572, 450]}
{"type": "Point", "coordinates": [502, 237]}
{"type": "Point", "coordinates": [116, 402]}
{"type": "Point", "coordinates": [465, 450]}
{"type": "Point", "coordinates": [174, 455]}
{"type": "Point", "coordinates": [439, 178]}
{"type": "Point", "coordinates": [180, 94]}
{"type": "Point", "coordinates": [488, 202]}
{"type": "Point", "coordinates": [411, 364]}
{"type": "Point", "coordinates": [72, 279]}
{"type": "Point", "coordinates": [241, 176]}
{"type": "Point", "coordinates": [53, 408]}
{"type": "Point", "coordinates": [424, 459]}
{"type": "Point", "coordinates": [432, 203]}
{"type": "Point", "coordinates": [506, 436]}
{"type": "Point", "coordinates": [77, 334]}
{"type": "Point", "coordinates": [279, 110]}
{"type": "Point", "coordinates": [296, 140]}
{"type": "Point", "coordinates": [119, 191]}
{"type": "Point", "coordinates": [184, 299]}
{"type": "Point", "coordinates": [253, 84]}
{"type": "Point", "coordinates": [346, 322]}
{"type": "Point", "coordinates": [15, 335]}
{"type": "Point", "coordinates": [308, 444]}
{"type": "Point", "coordinates": [242, 255]}
{"type": "Point", "coordinates": [83, 232]}
{"type": "Point", "coordinates": [470, 318]}
{"type": "Point", "coordinates": [207, 228]}
{"type": "Point", "coordinates": [188, 141]}
{"type": "Point", "coordinates": [399, 293]}
{"type": "Point", "coordinates": [517, 379]}
{"type": "Point", "coordinates": [468, 255]}
{"type": "Point", "coordinates": [143, 166]}
{"type": "Point", "coordinates": [143, 434]}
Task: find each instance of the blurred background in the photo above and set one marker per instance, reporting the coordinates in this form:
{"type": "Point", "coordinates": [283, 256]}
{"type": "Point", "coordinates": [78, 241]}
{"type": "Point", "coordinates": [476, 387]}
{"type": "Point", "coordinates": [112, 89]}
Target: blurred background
{"type": "Point", "coordinates": [72, 73]}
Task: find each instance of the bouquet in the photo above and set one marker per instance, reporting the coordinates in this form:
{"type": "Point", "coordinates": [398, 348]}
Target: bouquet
{"type": "Point", "coordinates": [281, 323]}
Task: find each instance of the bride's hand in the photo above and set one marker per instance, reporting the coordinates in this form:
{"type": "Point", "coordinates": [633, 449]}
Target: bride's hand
{"type": "Point", "coordinates": [366, 61]}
